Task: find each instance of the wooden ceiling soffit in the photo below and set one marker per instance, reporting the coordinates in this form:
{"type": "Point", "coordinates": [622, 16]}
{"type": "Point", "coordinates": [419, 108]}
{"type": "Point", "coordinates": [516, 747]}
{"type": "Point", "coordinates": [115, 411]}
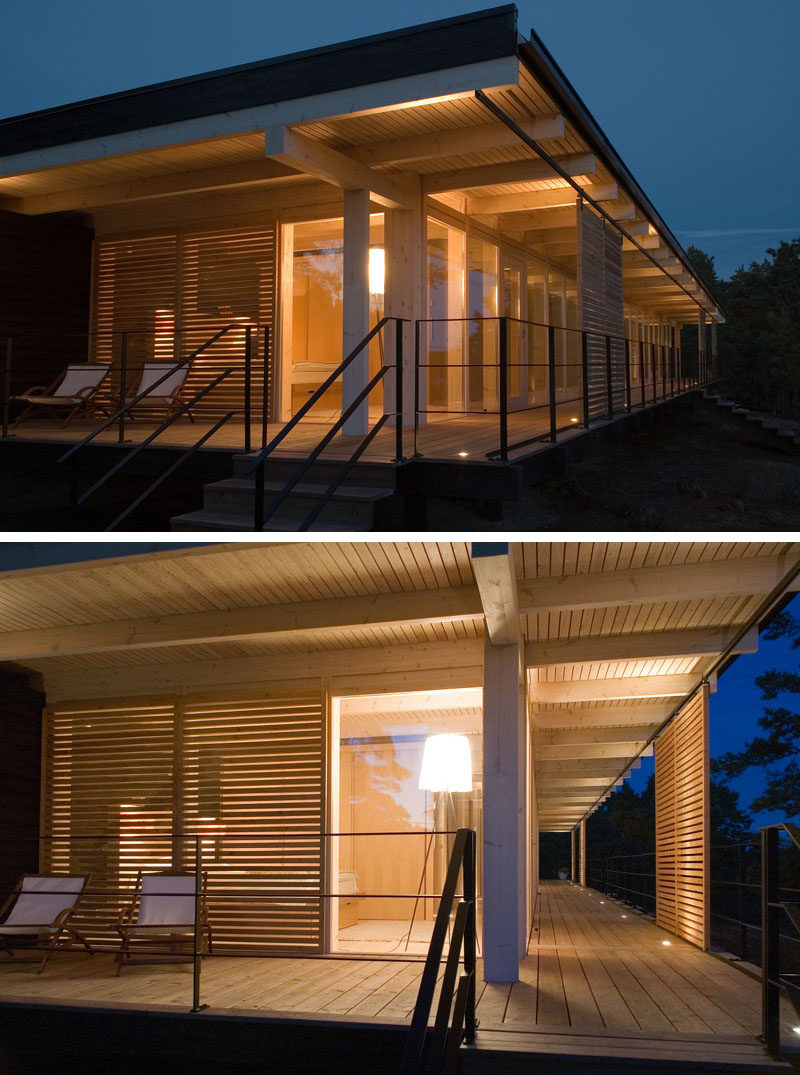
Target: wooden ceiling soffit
{"type": "Point", "coordinates": [202, 180]}
{"type": "Point", "coordinates": [557, 198]}
{"type": "Point", "coordinates": [448, 143]}
{"type": "Point", "coordinates": [523, 171]}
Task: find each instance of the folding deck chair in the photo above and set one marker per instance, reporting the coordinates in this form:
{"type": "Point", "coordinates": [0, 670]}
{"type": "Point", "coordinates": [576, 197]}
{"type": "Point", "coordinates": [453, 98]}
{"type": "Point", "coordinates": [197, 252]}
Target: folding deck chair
{"type": "Point", "coordinates": [168, 394]}
{"type": "Point", "coordinates": [75, 388]}
{"type": "Point", "coordinates": [161, 913]}
{"type": "Point", "coordinates": [42, 905]}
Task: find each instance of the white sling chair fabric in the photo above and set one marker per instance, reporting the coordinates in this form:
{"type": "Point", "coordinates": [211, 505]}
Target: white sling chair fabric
{"type": "Point", "coordinates": [151, 371]}
{"type": "Point", "coordinates": [40, 901]}
{"type": "Point", "coordinates": [75, 380]}
{"type": "Point", "coordinates": [166, 900]}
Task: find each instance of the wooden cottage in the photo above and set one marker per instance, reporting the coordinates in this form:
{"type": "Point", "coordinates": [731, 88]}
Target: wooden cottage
{"type": "Point", "coordinates": [447, 175]}
{"type": "Point", "coordinates": [267, 709]}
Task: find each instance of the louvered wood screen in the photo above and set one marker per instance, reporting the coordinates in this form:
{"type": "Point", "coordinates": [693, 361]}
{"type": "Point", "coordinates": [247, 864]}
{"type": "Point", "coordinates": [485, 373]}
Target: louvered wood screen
{"type": "Point", "coordinates": [601, 305]}
{"type": "Point", "coordinates": [171, 293]}
{"type": "Point", "coordinates": [682, 829]}
{"type": "Point", "coordinates": [133, 785]}
{"type": "Point", "coordinates": [254, 776]}
{"type": "Point", "coordinates": [108, 799]}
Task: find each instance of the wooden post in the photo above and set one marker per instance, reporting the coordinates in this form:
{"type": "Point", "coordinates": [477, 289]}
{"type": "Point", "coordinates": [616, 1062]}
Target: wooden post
{"type": "Point", "coordinates": [582, 863]}
{"type": "Point", "coordinates": [573, 871]}
{"type": "Point", "coordinates": [403, 298]}
{"type": "Point", "coordinates": [355, 306]}
{"type": "Point", "coordinates": [504, 812]}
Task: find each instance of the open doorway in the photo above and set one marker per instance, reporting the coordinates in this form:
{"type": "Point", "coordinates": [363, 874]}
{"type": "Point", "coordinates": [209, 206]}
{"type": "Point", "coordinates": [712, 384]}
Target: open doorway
{"type": "Point", "coordinates": [394, 815]}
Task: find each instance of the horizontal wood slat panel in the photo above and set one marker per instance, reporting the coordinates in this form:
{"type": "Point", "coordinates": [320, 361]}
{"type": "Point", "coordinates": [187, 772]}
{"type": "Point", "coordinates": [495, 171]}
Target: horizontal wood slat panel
{"type": "Point", "coordinates": [682, 838]}
{"type": "Point", "coordinates": [244, 777]}
{"type": "Point", "coordinates": [170, 293]}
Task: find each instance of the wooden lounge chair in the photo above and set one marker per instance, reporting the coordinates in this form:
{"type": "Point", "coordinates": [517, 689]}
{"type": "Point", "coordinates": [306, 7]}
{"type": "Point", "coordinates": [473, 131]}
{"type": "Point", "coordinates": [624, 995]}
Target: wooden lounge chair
{"type": "Point", "coordinates": [168, 394]}
{"type": "Point", "coordinates": [76, 388]}
{"type": "Point", "coordinates": [161, 916]}
{"type": "Point", "coordinates": [41, 906]}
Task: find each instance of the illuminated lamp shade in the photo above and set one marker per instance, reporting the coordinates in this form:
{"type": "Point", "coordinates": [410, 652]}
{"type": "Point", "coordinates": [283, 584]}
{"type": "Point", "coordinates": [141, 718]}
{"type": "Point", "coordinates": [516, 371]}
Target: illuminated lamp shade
{"type": "Point", "coordinates": [446, 764]}
{"type": "Point", "coordinates": [377, 270]}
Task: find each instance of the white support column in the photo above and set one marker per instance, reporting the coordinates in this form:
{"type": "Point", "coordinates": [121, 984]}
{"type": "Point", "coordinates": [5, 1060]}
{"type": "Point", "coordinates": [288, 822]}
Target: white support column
{"type": "Point", "coordinates": [505, 880]}
{"type": "Point", "coordinates": [405, 278]}
{"type": "Point", "coordinates": [355, 306]}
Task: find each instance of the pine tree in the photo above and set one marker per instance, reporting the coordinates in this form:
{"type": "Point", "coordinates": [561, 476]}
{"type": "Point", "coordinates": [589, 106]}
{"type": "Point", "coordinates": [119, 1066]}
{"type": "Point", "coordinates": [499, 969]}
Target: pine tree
{"type": "Point", "coordinates": [777, 752]}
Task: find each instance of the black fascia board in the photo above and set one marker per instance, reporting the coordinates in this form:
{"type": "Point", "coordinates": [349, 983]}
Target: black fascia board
{"type": "Point", "coordinates": [539, 60]}
{"type": "Point", "coordinates": [433, 46]}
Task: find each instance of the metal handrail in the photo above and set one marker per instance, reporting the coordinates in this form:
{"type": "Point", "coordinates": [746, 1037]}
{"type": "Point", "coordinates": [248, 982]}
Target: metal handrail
{"type": "Point", "coordinates": [260, 516]}
{"type": "Point", "coordinates": [142, 395]}
{"type": "Point", "coordinates": [76, 501]}
{"type": "Point", "coordinates": [453, 1022]}
{"type": "Point", "coordinates": [772, 981]}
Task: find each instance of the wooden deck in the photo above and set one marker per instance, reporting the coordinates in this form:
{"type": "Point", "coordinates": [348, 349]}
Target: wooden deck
{"type": "Point", "coordinates": [597, 980]}
{"type": "Point", "coordinates": [445, 438]}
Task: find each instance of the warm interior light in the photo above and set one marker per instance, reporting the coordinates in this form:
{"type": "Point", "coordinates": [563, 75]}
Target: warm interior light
{"type": "Point", "coordinates": [377, 270]}
{"type": "Point", "coordinates": [624, 916]}
{"type": "Point", "coordinates": [796, 1029]}
{"type": "Point", "coordinates": [463, 454]}
{"type": "Point", "coordinates": [573, 419]}
{"type": "Point", "coordinates": [446, 764]}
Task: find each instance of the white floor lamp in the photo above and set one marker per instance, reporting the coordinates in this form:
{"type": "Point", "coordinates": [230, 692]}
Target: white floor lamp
{"type": "Point", "coordinates": [446, 767]}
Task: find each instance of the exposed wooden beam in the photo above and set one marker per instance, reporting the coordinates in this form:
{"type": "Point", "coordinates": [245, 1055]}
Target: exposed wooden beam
{"type": "Point", "coordinates": [493, 566]}
{"type": "Point", "coordinates": [581, 736]}
{"type": "Point", "coordinates": [538, 199]}
{"type": "Point", "coordinates": [599, 690]}
{"type": "Point", "coordinates": [696, 642]}
{"type": "Point", "coordinates": [388, 669]}
{"type": "Point", "coordinates": [600, 716]}
{"type": "Point", "coordinates": [599, 782]}
{"type": "Point", "coordinates": [278, 621]}
{"type": "Point", "coordinates": [652, 585]}
{"type": "Point", "coordinates": [523, 171]}
{"type": "Point", "coordinates": [580, 766]}
{"type": "Point", "coordinates": [157, 186]}
{"type": "Point", "coordinates": [621, 752]}
{"type": "Point", "coordinates": [451, 143]}
{"type": "Point", "coordinates": [315, 158]}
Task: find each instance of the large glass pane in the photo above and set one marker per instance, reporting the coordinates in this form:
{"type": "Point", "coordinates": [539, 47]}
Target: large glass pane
{"type": "Point", "coordinates": [512, 308]}
{"type": "Point", "coordinates": [481, 334]}
{"type": "Point", "coordinates": [537, 333]}
{"type": "Point", "coordinates": [394, 863]}
{"type": "Point", "coordinates": [445, 303]}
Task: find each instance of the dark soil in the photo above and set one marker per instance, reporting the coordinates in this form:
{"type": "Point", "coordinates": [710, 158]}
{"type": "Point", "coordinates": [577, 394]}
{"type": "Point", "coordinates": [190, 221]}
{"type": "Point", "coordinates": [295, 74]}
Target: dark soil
{"type": "Point", "coordinates": [703, 470]}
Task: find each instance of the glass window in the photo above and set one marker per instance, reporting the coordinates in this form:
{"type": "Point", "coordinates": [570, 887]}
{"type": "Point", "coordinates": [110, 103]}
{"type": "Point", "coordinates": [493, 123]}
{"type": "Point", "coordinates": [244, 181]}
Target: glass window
{"type": "Point", "coordinates": [481, 335]}
{"type": "Point", "coordinates": [445, 303]}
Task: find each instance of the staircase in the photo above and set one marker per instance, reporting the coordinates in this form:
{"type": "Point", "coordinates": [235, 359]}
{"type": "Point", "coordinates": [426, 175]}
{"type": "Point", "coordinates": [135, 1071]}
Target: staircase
{"type": "Point", "coordinates": [359, 506]}
{"type": "Point", "coordinates": [787, 430]}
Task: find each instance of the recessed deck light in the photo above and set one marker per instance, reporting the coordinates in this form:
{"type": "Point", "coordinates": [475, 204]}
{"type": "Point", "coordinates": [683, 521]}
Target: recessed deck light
{"type": "Point", "coordinates": [463, 454]}
{"type": "Point", "coordinates": [667, 944]}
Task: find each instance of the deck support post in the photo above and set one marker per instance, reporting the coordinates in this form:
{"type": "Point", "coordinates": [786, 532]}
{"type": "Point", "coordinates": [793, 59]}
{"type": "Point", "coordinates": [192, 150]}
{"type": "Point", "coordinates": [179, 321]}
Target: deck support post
{"type": "Point", "coordinates": [573, 843]}
{"type": "Point", "coordinates": [355, 307]}
{"type": "Point", "coordinates": [504, 812]}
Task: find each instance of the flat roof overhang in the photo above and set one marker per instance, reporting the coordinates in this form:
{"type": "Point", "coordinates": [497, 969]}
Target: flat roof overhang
{"type": "Point", "coordinates": [614, 636]}
{"type": "Point", "coordinates": [188, 136]}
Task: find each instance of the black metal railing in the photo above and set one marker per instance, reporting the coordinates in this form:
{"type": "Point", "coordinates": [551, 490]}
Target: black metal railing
{"type": "Point", "coordinates": [78, 499]}
{"type": "Point", "coordinates": [241, 890]}
{"type": "Point", "coordinates": [628, 878]}
{"type": "Point", "coordinates": [437, 1053]}
{"type": "Point", "coordinates": [559, 377]}
{"type": "Point", "coordinates": [779, 906]}
{"type": "Point", "coordinates": [261, 513]}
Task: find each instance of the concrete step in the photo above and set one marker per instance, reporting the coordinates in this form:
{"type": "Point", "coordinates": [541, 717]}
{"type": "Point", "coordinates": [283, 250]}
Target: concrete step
{"type": "Point", "coordinates": [235, 523]}
{"type": "Point", "coordinates": [350, 503]}
{"type": "Point", "coordinates": [324, 471]}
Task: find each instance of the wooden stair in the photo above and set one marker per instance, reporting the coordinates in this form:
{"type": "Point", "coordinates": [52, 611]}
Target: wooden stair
{"type": "Point", "coordinates": [356, 506]}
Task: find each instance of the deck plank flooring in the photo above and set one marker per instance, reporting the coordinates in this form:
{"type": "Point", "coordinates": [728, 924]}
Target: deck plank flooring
{"type": "Point", "coordinates": [590, 975]}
